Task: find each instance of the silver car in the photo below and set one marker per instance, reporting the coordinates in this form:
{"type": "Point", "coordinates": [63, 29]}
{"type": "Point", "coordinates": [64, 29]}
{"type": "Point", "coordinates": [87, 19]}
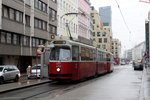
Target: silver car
{"type": "Point", "coordinates": [9, 72]}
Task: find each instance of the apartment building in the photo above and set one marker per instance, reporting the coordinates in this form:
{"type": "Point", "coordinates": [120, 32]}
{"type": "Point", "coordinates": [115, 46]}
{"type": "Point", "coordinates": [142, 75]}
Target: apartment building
{"type": "Point", "coordinates": [25, 24]}
{"type": "Point", "coordinates": [84, 22]}
{"type": "Point", "coordinates": [67, 24]}
{"type": "Point", "coordinates": [101, 34]}
{"type": "Point", "coordinates": [116, 48]}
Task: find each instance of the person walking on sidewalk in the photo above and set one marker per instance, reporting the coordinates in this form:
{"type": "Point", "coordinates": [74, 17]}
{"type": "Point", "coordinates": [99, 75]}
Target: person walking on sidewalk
{"type": "Point", "coordinates": [29, 70]}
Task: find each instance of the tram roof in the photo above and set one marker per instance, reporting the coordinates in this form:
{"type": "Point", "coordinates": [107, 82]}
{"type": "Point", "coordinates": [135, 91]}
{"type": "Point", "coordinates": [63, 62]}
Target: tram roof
{"type": "Point", "coordinates": [82, 44]}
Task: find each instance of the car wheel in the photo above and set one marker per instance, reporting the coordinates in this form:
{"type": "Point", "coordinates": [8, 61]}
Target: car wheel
{"type": "Point", "coordinates": [16, 78]}
{"type": "Point", "coordinates": [1, 80]}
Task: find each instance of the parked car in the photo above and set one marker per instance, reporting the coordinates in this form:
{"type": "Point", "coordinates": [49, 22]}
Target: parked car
{"type": "Point", "coordinates": [9, 72]}
{"type": "Point", "coordinates": [137, 66]}
{"type": "Point", "coordinates": [34, 72]}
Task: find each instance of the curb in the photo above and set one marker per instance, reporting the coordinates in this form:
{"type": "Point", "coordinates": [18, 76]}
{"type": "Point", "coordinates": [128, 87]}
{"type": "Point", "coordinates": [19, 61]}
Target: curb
{"type": "Point", "coordinates": [26, 86]}
{"type": "Point", "coordinates": [141, 91]}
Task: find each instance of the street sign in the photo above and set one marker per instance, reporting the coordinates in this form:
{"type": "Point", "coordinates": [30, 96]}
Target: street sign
{"type": "Point", "coordinates": [40, 50]}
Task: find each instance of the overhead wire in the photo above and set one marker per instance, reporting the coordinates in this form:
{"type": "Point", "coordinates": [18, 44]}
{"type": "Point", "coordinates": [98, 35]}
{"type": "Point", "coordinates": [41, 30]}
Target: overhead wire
{"type": "Point", "coordinates": [124, 20]}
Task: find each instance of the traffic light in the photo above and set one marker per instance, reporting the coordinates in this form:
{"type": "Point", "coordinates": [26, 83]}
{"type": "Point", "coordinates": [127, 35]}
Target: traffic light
{"type": "Point", "coordinates": [52, 36]}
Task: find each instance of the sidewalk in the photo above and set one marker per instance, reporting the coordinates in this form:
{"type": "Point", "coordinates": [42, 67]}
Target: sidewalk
{"type": "Point", "coordinates": [23, 83]}
{"type": "Point", "coordinates": [145, 89]}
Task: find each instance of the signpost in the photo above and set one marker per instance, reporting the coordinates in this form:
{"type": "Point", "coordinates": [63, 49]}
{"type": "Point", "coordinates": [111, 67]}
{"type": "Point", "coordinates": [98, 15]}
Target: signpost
{"type": "Point", "coordinates": [40, 51]}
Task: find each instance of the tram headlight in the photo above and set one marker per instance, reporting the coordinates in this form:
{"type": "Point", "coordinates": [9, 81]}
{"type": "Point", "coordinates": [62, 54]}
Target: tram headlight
{"type": "Point", "coordinates": [58, 69]}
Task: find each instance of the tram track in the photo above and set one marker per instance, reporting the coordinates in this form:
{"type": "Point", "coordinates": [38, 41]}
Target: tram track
{"type": "Point", "coordinates": [51, 89]}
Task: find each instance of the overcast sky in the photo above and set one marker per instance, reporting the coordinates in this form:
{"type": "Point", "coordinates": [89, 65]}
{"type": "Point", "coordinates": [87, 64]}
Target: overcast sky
{"type": "Point", "coordinates": [135, 13]}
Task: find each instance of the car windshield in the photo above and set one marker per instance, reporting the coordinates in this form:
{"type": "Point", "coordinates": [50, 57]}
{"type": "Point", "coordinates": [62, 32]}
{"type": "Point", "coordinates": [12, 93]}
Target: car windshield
{"type": "Point", "coordinates": [36, 67]}
{"type": "Point", "coordinates": [1, 69]}
{"type": "Point", "coordinates": [60, 53]}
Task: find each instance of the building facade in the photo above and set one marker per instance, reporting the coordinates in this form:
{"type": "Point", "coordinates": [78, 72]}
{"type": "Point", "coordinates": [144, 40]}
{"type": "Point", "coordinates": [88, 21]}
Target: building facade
{"type": "Point", "coordinates": [128, 55]}
{"type": "Point", "coordinates": [105, 13]}
{"type": "Point", "coordinates": [147, 38]}
{"type": "Point", "coordinates": [25, 24]}
{"type": "Point", "coordinates": [138, 51]}
{"type": "Point", "coordinates": [116, 48]}
{"type": "Point", "coordinates": [67, 24]}
{"type": "Point", "coordinates": [101, 34]}
{"type": "Point", "coordinates": [84, 22]}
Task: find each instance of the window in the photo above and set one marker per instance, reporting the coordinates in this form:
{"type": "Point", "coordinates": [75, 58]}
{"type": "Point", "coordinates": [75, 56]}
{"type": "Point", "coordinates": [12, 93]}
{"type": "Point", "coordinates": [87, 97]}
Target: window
{"type": "Point", "coordinates": [93, 21]}
{"type": "Point", "coordinates": [5, 11]}
{"type": "Point", "coordinates": [53, 29]}
{"type": "Point", "coordinates": [104, 33]}
{"type": "Point", "coordinates": [40, 5]}
{"type": "Point", "coordinates": [60, 53]}
{"type": "Point", "coordinates": [41, 42]}
{"type": "Point", "coordinates": [44, 7]}
{"type": "Point", "coordinates": [87, 54]}
{"type": "Point", "coordinates": [19, 16]}
{"type": "Point", "coordinates": [98, 33]}
{"type": "Point", "coordinates": [12, 14]}
{"type": "Point", "coordinates": [44, 25]}
{"type": "Point", "coordinates": [38, 23]}
{"type": "Point", "coordinates": [25, 40]}
{"type": "Point", "coordinates": [105, 40]}
{"type": "Point", "coordinates": [15, 39]}
{"type": "Point", "coordinates": [3, 37]}
{"type": "Point", "coordinates": [75, 53]}
{"type": "Point", "coordinates": [27, 20]}
{"type": "Point", "coordinates": [9, 38]}
{"type": "Point", "coordinates": [100, 40]}
{"type": "Point", "coordinates": [36, 3]}
{"type": "Point", "coordinates": [33, 42]}
{"type": "Point", "coordinates": [52, 14]}
{"type": "Point", "coordinates": [37, 42]}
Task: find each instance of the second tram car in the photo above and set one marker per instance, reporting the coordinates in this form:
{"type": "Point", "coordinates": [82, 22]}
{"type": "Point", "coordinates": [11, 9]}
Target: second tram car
{"type": "Point", "coordinates": [70, 60]}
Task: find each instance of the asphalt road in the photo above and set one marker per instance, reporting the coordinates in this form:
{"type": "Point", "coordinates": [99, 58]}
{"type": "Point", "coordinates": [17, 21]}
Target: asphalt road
{"type": "Point", "coordinates": [123, 84]}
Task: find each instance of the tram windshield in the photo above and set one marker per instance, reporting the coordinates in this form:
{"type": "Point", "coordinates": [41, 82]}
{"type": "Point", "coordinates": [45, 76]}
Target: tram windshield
{"type": "Point", "coordinates": [60, 53]}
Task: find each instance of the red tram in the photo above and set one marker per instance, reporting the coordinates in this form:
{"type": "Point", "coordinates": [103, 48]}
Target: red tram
{"type": "Point", "coordinates": [70, 60]}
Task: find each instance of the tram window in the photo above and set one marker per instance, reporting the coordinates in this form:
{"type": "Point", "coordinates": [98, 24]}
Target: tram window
{"type": "Point", "coordinates": [87, 54]}
{"type": "Point", "coordinates": [83, 51]}
{"type": "Point", "coordinates": [60, 53]}
{"type": "Point", "coordinates": [108, 57]}
{"type": "Point", "coordinates": [75, 53]}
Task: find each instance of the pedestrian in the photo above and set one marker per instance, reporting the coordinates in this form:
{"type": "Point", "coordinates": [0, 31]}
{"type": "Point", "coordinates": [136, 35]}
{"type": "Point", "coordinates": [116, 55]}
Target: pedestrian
{"type": "Point", "coordinates": [29, 70]}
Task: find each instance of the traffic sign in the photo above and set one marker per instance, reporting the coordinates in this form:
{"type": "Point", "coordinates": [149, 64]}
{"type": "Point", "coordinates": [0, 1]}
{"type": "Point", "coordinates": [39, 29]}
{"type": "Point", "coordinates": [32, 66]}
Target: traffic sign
{"type": "Point", "coordinates": [40, 50]}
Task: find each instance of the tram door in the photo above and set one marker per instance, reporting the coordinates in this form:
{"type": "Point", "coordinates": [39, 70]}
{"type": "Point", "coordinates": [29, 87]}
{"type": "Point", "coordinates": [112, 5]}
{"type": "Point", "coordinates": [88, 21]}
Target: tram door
{"type": "Point", "coordinates": [75, 59]}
